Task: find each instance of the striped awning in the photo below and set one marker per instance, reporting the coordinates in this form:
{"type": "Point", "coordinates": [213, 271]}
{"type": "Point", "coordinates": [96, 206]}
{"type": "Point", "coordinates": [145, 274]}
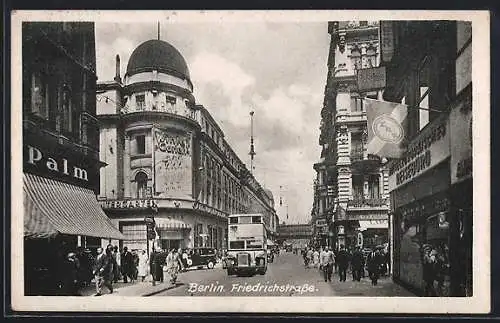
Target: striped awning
{"type": "Point", "coordinates": [166, 223]}
{"type": "Point", "coordinates": [52, 207]}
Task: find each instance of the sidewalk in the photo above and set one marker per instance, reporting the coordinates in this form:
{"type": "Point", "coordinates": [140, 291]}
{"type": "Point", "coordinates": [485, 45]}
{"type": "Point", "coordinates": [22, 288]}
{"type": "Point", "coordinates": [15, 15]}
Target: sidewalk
{"type": "Point", "coordinates": [137, 288]}
{"type": "Point", "coordinates": [385, 287]}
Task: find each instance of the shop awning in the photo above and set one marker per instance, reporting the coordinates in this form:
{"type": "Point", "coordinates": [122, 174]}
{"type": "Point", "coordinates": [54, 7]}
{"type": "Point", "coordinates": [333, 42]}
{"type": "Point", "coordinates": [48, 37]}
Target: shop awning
{"type": "Point", "coordinates": [166, 223]}
{"type": "Point", "coordinates": [376, 224]}
{"type": "Point", "coordinates": [52, 207]}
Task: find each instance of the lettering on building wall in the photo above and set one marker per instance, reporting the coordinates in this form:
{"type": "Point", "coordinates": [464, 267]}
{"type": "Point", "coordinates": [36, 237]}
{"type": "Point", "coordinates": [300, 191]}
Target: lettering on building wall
{"type": "Point", "coordinates": [129, 204]}
{"type": "Point", "coordinates": [430, 148]}
{"type": "Point", "coordinates": [172, 163]}
{"type": "Point", "coordinates": [36, 157]}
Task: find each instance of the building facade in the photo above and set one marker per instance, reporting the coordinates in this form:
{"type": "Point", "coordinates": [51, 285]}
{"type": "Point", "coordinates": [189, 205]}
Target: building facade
{"type": "Point", "coordinates": [61, 161]}
{"type": "Point", "coordinates": [169, 159]}
{"type": "Point", "coordinates": [351, 202]}
{"type": "Point", "coordinates": [428, 65]}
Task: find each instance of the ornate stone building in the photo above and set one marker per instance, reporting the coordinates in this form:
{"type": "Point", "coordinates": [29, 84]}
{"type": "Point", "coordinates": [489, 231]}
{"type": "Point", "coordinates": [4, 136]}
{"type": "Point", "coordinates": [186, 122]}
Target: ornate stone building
{"type": "Point", "coordinates": [168, 158]}
{"type": "Point", "coordinates": [351, 194]}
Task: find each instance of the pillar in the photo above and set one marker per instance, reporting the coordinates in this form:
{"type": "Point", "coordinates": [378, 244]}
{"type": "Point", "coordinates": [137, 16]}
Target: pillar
{"type": "Point", "coordinates": [126, 167]}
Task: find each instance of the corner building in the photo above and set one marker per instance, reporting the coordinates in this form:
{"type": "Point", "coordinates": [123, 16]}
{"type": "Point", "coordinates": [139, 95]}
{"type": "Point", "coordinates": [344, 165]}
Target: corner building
{"type": "Point", "coordinates": [351, 204]}
{"type": "Point", "coordinates": [168, 157]}
{"type": "Point", "coordinates": [60, 142]}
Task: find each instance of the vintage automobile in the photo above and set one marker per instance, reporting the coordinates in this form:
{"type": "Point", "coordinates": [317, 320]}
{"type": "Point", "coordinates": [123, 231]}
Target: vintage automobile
{"type": "Point", "coordinates": [199, 257]}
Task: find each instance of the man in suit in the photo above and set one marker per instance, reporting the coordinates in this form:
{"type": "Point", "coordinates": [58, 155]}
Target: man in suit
{"type": "Point", "coordinates": [343, 262]}
{"type": "Point", "coordinates": [103, 271]}
{"type": "Point", "coordinates": [357, 263]}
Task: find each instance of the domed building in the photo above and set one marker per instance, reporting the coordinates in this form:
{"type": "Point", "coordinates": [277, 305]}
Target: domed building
{"type": "Point", "coordinates": [167, 158]}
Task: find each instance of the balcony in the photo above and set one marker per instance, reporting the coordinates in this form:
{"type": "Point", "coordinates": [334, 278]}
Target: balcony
{"type": "Point", "coordinates": [364, 162]}
{"type": "Point", "coordinates": [367, 203]}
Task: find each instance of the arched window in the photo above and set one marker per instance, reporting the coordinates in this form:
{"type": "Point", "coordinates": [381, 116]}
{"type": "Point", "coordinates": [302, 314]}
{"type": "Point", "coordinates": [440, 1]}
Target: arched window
{"type": "Point", "coordinates": [141, 180]}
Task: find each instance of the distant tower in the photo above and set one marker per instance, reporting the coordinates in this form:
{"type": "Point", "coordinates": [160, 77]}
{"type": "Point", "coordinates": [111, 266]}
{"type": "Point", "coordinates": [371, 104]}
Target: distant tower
{"type": "Point", "coordinates": [117, 78]}
{"type": "Point", "coordinates": [252, 148]}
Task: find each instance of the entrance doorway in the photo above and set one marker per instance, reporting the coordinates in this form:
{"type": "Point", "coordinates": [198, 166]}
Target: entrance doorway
{"type": "Point", "coordinates": [168, 244]}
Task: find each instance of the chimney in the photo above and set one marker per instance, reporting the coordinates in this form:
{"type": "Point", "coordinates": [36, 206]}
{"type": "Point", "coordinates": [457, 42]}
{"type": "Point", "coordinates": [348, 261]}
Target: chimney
{"type": "Point", "coordinates": [117, 73]}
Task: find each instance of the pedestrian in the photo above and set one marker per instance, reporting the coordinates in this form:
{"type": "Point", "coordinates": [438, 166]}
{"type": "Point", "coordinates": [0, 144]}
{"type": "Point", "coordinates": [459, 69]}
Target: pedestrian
{"type": "Point", "coordinates": [172, 263]}
{"type": "Point", "coordinates": [342, 261]}
{"type": "Point", "coordinates": [374, 266]}
{"type": "Point", "coordinates": [103, 271]}
{"type": "Point", "coordinates": [118, 271]}
{"type": "Point", "coordinates": [84, 271]}
{"type": "Point", "coordinates": [429, 273]}
{"type": "Point", "coordinates": [154, 267]}
{"type": "Point", "coordinates": [316, 258]}
{"type": "Point", "coordinates": [127, 261]}
{"type": "Point", "coordinates": [184, 259]}
{"type": "Point", "coordinates": [357, 264]}
{"type": "Point", "coordinates": [143, 265]}
{"type": "Point", "coordinates": [327, 260]}
{"type": "Point", "coordinates": [70, 284]}
{"type": "Point", "coordinates": [309, 256]}
{"type": "Point", "coordinates": [135, 265]}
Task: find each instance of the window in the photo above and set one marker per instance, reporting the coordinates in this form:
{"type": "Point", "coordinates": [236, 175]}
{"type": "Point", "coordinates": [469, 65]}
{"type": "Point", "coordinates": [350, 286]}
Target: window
{"type": "Point", "coordinates": [233, 220]}
{"type": "Point", "coordinates": [237, 245]}
{"type": "Point", "coordinates": [371, 57]}
{"type": "Point", "coordinates": [356, 58]}
{"type": "Point", "coordinates": [256, 219]}
{"type": "Point", "coordinates": [141, 144]}
{"type": "Point", "coordinates": [374, 187]}
{"type": "Point", "coordinates": [356, 104]}
{"type": "Point", "coordinates": [357, 187]}
{"type": "Point", "coordinates": [155, 100]}
{"type": "Point", "coordinates": [67, 110]}
{"type": "Point", "coordinates": [141, 180]}
{"type": "Point", "coordinates": [357, 148]}
{"type": "Point", "coordinates": [135, 233]}
{"type": "Point", "coordinates": [40, 95]}
{"type": "Point", "coordinates": [170, 99]}
{"type": "Point", "coordinates": [140, 101]}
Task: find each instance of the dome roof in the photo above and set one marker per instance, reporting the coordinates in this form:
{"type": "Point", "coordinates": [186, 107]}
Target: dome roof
{"type": "Point", "coordinates": [157, 55]}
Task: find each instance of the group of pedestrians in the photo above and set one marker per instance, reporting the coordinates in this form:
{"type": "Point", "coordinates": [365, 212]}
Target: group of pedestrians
{"type": "Point", "coordinates": [329, 261]}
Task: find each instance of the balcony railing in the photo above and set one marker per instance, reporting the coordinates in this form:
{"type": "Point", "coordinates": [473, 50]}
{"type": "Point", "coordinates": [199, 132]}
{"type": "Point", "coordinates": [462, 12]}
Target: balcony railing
{"type": "Point", "coordinates": [362, 202]}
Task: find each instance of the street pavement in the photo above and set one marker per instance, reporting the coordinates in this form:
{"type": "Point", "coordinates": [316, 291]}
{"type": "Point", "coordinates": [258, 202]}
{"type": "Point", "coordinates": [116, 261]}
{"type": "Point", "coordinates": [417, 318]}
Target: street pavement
{"type": "Point", "coordinates": [286, 276]}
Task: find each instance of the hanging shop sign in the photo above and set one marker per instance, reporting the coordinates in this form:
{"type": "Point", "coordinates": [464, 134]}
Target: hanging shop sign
{"type": "Point", "coordinates": [371, 78]}
{"type": "Point", "coordinates": [461, 142]}
{"type": "Point", "coordinates": [128, 204]}
{"type": "Point", "coordinates": [172, 163]}
{"type": "Point", "coordinates": [429, 148]}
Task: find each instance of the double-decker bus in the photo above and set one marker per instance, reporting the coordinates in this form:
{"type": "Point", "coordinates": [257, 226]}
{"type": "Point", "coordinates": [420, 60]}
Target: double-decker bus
{"type": "Point", "coordinates": [247, 239]}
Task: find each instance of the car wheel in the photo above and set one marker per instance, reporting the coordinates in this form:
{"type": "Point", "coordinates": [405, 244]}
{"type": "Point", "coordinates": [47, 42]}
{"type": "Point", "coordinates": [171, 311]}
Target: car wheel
{"type": "Point", "coordinates": [210, 265]}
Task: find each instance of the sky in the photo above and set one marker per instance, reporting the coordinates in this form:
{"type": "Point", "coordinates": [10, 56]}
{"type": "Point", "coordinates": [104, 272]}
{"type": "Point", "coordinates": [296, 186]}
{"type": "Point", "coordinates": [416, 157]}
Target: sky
{"type": "Point", "coordinates": [278, 70]}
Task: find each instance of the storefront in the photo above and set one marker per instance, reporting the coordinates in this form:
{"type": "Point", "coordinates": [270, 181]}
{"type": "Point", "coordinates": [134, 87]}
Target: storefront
{"type": "Point", "coordinates": [420, 201]}
{"type": "Point", "coordinates": [61, 212]}
{"type": "Point", "coordinates": [179, 223]}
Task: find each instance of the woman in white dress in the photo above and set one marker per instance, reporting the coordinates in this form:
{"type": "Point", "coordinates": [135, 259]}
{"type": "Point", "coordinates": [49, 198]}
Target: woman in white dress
{"type": "Point", "coordinates": [316, 258]}
{"type": "Point", "coordinates": [143, 265]}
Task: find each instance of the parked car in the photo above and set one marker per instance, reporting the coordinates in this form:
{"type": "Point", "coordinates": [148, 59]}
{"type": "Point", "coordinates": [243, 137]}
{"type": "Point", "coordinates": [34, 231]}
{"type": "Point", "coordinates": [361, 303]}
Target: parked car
{"type": "Point", "coordinates": [199, 257]}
